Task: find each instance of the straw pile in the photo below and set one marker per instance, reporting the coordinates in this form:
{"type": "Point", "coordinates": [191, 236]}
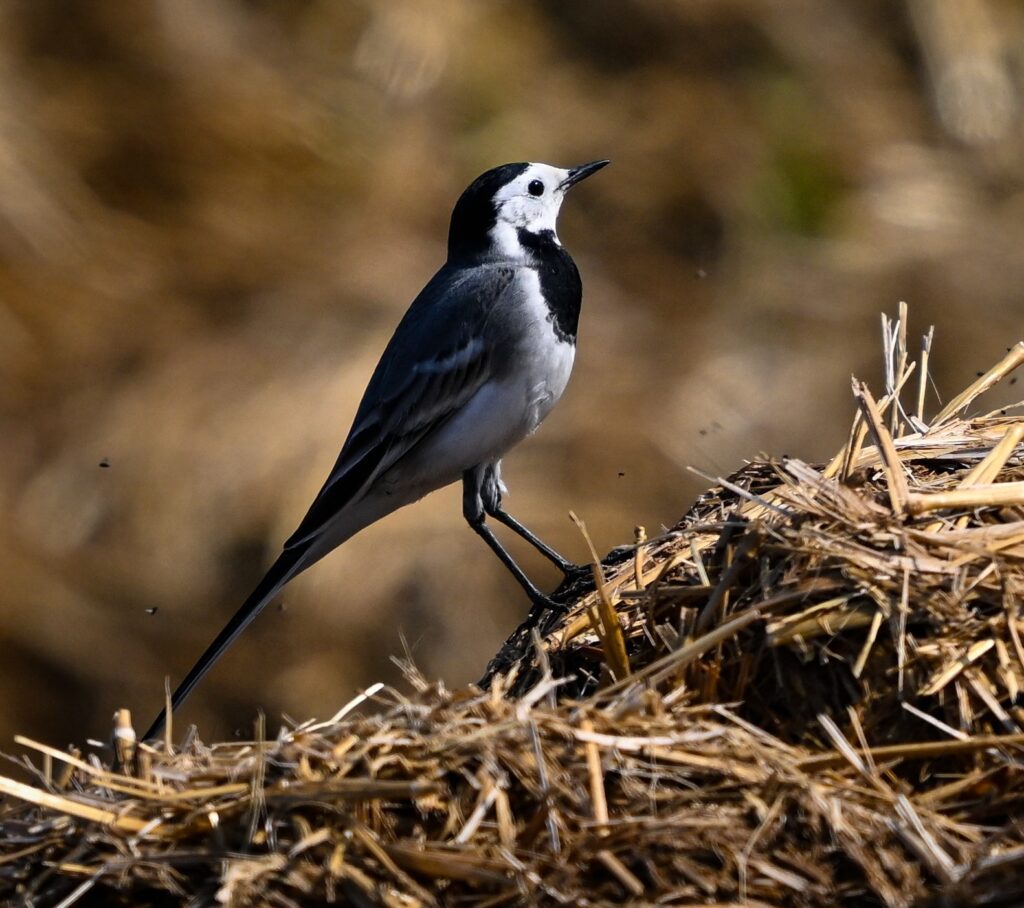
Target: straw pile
{"type": "Point", "coordinates": [806, 693]}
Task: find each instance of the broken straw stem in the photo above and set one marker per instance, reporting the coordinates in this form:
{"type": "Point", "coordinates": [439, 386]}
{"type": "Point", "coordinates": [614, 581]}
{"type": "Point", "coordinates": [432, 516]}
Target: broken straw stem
{"type": "Point", "coordinates": [997, 494]}
{"type": "Point", "coordinates": [1014, 358]}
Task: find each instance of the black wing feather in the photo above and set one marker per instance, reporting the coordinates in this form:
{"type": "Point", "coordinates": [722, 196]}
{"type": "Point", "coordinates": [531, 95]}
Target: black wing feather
{"type": "Point", "coordinates": [433, 364]}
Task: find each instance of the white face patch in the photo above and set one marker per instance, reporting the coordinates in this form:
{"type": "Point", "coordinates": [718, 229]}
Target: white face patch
{"type": "Point", "coordinates": [518, 208]}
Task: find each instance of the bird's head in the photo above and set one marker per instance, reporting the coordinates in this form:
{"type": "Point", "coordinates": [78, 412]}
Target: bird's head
{"type": "Point", "coordinates": [500, 203]}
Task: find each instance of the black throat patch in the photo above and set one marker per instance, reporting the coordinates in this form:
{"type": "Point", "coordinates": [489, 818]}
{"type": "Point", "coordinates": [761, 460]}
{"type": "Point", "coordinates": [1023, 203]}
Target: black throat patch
{"type": "Point", "coordinates": [559, 281]}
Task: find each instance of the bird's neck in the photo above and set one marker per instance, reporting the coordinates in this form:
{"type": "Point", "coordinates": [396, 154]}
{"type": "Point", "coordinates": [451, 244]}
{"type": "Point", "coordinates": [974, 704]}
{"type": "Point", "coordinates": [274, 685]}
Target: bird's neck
{"type": "Point", "coordinates": [507, 241]}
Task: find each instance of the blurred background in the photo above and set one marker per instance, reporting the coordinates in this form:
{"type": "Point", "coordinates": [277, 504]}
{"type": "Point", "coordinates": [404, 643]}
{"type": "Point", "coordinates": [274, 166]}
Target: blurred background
{"type": "Point", "coordinates": [214, 212]}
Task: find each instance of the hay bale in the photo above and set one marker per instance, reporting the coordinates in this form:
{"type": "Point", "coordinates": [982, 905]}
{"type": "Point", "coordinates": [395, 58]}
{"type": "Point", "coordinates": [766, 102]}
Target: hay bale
{"type": "Point", "coordinates": [806, 693]}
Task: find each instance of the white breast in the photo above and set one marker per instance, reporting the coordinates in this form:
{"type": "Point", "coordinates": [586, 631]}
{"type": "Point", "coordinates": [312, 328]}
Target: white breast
{"type": "Point", "coordinates": [546, 361]}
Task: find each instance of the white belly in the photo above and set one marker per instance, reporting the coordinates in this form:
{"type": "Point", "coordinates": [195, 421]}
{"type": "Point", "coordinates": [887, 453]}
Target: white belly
{"type": "Point", "coordinates": [499, 416]}
{"type": "Point", "coordinates": [546, 375]}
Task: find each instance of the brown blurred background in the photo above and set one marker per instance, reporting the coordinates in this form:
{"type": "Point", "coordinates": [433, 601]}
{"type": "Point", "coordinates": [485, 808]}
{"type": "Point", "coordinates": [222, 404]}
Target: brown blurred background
{"type": "Point", "coordinates": [213, 213]}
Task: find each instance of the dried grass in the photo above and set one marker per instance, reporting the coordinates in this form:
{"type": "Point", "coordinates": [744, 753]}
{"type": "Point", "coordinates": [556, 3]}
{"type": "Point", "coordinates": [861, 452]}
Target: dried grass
{"type": "Point", "coordinates": [806, 693]}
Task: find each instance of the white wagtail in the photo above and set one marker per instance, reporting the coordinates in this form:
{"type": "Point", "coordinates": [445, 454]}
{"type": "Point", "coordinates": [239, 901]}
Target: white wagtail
{"type": "Point", "coordinates": [480, 358]}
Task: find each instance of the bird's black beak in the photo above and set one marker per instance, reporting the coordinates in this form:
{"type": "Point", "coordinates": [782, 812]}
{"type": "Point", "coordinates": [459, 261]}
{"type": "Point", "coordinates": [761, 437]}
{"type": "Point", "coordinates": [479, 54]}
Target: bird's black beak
{"type": "Point", "coordinates": [581, 173]}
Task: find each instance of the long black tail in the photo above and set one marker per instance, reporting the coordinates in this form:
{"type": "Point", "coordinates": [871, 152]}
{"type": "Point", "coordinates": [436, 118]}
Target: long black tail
{"type": "Point", "coordinates": [288, 564]}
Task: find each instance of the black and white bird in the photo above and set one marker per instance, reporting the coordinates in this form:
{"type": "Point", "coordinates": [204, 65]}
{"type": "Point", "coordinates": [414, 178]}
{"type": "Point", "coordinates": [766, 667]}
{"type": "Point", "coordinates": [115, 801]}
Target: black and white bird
{"type": "Point", "coordinates": [480, 358]}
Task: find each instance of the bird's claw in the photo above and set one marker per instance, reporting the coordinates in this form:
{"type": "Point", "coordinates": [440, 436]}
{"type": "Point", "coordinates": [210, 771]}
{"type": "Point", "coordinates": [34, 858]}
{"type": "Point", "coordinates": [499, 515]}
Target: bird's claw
{"type": "Point", "coordinates": [574, 572]}
{"type": "Point", "coordinates": [547, 604]}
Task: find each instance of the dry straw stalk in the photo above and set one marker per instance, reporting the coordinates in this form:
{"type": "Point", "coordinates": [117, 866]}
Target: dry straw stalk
{"type": "Point", "coordinates": [805, 693]}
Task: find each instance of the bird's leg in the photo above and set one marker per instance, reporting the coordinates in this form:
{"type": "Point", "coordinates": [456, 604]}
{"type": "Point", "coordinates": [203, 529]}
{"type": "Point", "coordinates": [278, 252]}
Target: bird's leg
{"type": "Point", "coordinates": [476, 516]}
{"type": "Point", "coordinates": [490, 494]}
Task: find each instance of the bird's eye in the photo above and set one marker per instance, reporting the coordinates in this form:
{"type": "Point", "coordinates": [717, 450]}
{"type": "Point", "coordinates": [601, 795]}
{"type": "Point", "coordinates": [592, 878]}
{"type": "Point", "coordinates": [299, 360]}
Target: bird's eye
{"type": "Point", "coordinates": [536, 187]}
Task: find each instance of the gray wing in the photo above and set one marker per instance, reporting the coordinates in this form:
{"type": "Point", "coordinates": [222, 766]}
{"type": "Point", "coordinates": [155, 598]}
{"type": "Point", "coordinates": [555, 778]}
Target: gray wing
{"type": "Point", "coordinates": [435, 362]}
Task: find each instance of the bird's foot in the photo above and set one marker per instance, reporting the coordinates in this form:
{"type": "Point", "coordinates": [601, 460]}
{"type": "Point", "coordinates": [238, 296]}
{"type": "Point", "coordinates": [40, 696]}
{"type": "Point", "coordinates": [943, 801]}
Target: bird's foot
{"type": "Point", "coordinates": [576, 580]}
{"type": "Point", "coordinates": [542, 603]}
{"type": "Point", "coordinates": [575, 572]}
